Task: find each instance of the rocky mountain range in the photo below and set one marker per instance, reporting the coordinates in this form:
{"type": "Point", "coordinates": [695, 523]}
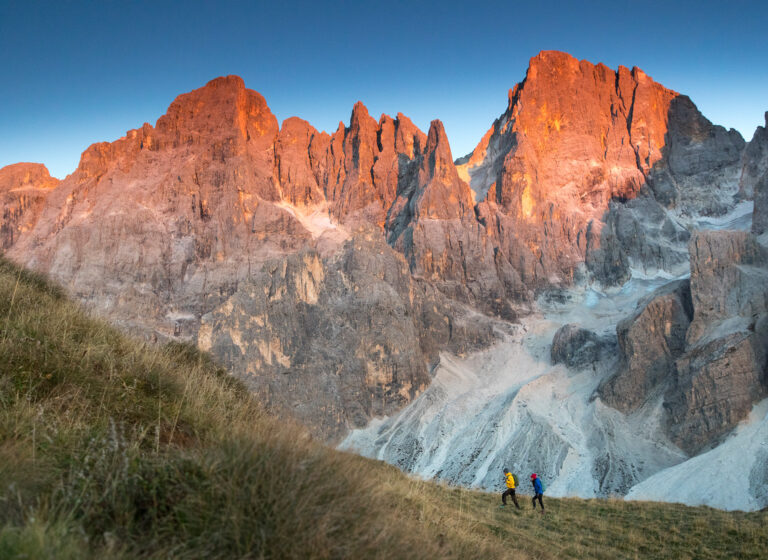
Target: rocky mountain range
{"type": "Point", "coordinates": [339, 273]}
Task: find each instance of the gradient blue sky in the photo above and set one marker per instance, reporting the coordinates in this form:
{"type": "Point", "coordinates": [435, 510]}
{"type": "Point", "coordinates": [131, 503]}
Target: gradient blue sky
{"type": "Point", "coordinates": [74, 73]}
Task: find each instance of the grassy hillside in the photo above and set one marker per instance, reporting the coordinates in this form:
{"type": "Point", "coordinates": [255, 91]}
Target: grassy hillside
{"type": "Point", "coordinates": [110, 448]}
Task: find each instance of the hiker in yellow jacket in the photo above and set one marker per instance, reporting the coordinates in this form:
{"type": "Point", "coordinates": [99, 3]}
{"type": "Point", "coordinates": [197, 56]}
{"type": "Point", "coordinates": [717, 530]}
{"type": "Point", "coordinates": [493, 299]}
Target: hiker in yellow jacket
{"type": "Point", "coordinates": [510, 491]}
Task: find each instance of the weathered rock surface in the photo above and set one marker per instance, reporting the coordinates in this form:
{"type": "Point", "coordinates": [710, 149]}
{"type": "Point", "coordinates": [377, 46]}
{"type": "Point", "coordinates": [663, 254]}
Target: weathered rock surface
{"type": "Point", "coordinates": [650, 340]}
{"type": "Point", "coordinates": [723, 372]}
{"type": "Point", "coordinates": [729, 281]}
{"type": "Point", "coordinates": [696, 176]}
{"type": "Point", "coordinates": [158, 227]}
{"type": "Point", "coordinates": [23, 190]}
{"type": "Point", "coordinates": [636, 234]}
{"type": "Point", "coordinates": [363, 164]}
{"type": "Point", "coordinates": [577, 347]}
{"type": "Point", "coordinates": [163, 226]}
{"type": "Point", "coordinates": [760, 214]}
{"type": "Point", "coordinates": [754, 161]}
{"type": "Point", "coordinates": [754, 177]}
{"type": "Point", "coordinates": [586, 166]}
{"type": "Point", "coordinates": [336, 342]}
{"type": "Point", "coordinates": [700, 344]}
{"type": "Point", "coordinates": [439, 234]}
{"type": "Point", "coordinates": [297, 166]}
{"type": "Point", "coordinates": [717, 384]}
{"type": "Point", "coordinates": [577, 137]}
{"type": "Point", "coordinates": [699, 172]}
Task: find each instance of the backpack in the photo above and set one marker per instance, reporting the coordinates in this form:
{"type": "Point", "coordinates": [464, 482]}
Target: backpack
{"type": "Point", "coordinates": [514, 477]}
{"type": "Point", "coordinates": [543, 486]}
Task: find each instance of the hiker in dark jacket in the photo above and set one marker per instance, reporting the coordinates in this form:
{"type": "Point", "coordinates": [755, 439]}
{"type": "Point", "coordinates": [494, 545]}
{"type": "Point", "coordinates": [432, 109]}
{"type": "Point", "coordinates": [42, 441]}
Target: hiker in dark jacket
{"type": "Point", "coordinates": [510, 491]}
{"type": "Point", "coordinates": [538, 491]}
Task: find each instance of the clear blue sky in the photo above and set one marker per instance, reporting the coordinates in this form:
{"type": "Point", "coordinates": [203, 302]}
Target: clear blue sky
{"type": "Point", "coordinates": [74, 73]}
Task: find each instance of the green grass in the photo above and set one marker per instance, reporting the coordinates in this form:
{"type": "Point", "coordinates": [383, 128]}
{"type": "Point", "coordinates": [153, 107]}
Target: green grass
{"type": "Point", "coordinates": [111, 448]}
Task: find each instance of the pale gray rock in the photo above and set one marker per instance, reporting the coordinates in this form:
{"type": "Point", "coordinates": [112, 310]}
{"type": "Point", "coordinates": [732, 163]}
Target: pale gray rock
{"type": "Point", "coordinates": [650, 340]}
{"type": "Point", "coordinates": [723, 371]}
{"type": "Point", "coordinates": [699, 345]}
{"type": "Point", "coordinates": [717, 384]}
{"type": "Point", "coordinates": [760, 214]}
{"type": "Point", "coordinates": [577, 347]}
{"type": "Point", "coordinates": [754, 162]}
{"type": "Point", "coordinates": [702, 163]}
{"type": "Point", "coordinates": [729, 281]}
{"type": "Point", "coordinates": [754, 177]}
{"type": "Point", "coordinates": [637, 233]}
{"type": "Point", "coordinates": [338, 341]}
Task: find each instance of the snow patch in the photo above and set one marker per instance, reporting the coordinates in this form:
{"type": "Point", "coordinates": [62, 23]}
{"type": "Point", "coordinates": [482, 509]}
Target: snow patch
{"type": "Point", "coordinates": [738, 218]}
{"type": "Point", "coordinates": [732, 476]}
{"type": "Point", "coordinates": [317, 222]}
{"type": "Point", "coordinates": [180, 316]}
{"type": "Point", "coordinates": [508, 406]}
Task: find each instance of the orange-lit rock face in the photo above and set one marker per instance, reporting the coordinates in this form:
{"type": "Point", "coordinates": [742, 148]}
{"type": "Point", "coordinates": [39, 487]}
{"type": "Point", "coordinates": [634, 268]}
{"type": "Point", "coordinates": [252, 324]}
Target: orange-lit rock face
{"type": "Point", "coordinates": [580, 135]}
{"type": "Point", "coordinates": [296, 166]}
{"type": "Point", "coordinates": [574, 137]}
{"type": "Point", "coordinates": [166, 221]}
{"type": "Point", "coordinates": [441, 194]}
{"type": "Point", "coordinates": [157, 226]}
{"type": "Point", "coordinates": [363, 163]}
{"type": "Point", "coordinates": [164, 225]}
{"type": "Point", "coordinates": [23, 190]}
{"type": "Point", "coordinates": [434, 224]}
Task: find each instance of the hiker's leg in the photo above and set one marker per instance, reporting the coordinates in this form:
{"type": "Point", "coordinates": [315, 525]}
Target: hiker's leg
{"type": "Point", "coordinates": [533, 501]}
{"type": "Point", "coordinates": [504, 497]}
{"type": "Point", "coordinates": [514, 499]}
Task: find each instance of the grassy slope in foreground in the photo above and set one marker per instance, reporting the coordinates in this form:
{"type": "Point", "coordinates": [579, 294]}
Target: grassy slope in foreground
{"type": "Point", "coordinates": [110, 448]}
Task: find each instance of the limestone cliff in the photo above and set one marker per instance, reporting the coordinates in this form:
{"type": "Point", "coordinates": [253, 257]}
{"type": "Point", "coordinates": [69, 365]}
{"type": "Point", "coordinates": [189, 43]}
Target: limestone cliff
{"type": "Point", "coordinates": [587, 174]}
{"type": "Point", "coordinates": [24, 188]}
{"type": "Point", "coordinates": [340, 340]}
{"type": "Point", "coordinates": [700, 345]}
{"type": "Point", "coordinates": [754, 177]}
{"type": "Point", "coordinates": [650, 340]}
{"type": "Point", "coordinates": [157, 228]}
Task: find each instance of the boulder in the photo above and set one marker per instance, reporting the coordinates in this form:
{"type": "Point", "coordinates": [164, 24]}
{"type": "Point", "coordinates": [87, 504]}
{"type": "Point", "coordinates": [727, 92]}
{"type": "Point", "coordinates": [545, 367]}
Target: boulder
{"type": "Point", "coordinates": [577, 347]}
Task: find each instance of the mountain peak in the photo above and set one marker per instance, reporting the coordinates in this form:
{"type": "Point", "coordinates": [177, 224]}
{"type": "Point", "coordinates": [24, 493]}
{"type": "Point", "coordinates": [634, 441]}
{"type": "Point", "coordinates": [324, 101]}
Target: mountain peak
{"type": "Point", "coordinates": [552, 58]}
{"type": "Point", "coordinates": [359, 115]}
{"type": "Point", "coordinates": [550, 62]}
{"type": "Point", "coordinates": [231, 81]}
{"type": "Point", "coordinates": [26, 174]}
{"type": "Point", "coordinates": [220, 108]}
{"type": "Point", "coordinates": [437, 143]}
